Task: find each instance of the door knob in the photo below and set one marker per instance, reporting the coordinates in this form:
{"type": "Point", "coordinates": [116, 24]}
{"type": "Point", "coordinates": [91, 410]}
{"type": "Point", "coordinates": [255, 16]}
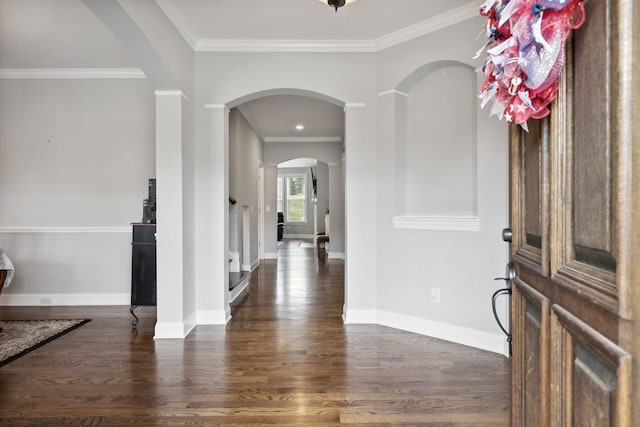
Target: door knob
{"type": "Point", "coordinates": [507, 234]}
{"type": "Point", "coordinates": [509, 275]}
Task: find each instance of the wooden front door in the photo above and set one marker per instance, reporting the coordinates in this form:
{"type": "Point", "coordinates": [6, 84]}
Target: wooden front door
{"type": "Point", "coordinates": [575, 212]}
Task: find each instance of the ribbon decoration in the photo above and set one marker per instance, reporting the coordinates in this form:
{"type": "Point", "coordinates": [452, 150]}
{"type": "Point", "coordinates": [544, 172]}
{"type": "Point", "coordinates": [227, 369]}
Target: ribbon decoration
{"type": "Point", "coordinates": [525, 55]}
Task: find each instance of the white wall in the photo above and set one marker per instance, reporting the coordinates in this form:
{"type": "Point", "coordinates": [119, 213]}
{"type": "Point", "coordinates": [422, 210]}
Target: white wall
{"type": "Point", "coordinates": [327, 153]}
{"type": "Point", "coordinates": [462, 264]}
{"type": "Point", "coordinates": [75, 159]}
{"type": "Point", "coordinates": [245, 155]}
{"type": "Point", "coordinates": [104, 130]}
{"type": "Point", "coordinates": [167, 61]}
{"type": "Point", "coordinates": [229, 79]}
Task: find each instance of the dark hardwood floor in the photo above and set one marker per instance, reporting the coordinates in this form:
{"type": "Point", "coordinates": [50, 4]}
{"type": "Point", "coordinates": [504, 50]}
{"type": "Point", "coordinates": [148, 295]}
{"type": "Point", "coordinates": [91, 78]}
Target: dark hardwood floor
{"type": "Point", "coordinates": [284, 359]}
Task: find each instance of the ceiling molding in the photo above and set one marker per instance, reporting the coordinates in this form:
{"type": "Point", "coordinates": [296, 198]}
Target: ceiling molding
{"type": "Point", "coordinates": [257, 45]}
{"type": "Point", "coordinates": [72, 73]}
{"type": "Point", "coordinates": [303, 139]}
{"type": "Point", "coordinates": [179, 21]}
{"type": "Point", "coordinates": [431, 25]}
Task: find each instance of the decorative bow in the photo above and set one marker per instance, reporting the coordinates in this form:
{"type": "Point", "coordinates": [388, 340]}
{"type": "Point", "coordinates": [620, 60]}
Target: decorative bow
{"type": "Point", "coordinates": [525, 54]}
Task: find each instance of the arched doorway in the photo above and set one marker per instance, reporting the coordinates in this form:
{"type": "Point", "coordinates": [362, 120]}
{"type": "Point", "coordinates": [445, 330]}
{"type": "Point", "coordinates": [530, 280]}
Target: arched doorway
{"type": "Point", "coordinates": [261, 135]}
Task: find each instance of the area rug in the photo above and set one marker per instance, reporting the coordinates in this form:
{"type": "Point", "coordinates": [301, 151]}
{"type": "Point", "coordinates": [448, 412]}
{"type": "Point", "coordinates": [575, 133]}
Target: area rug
{"type": "Point", "coordinates": [19, 337]}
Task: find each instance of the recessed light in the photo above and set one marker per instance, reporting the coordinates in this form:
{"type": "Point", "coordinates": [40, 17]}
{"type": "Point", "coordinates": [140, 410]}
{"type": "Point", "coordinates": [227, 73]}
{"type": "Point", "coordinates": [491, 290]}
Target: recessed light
{"type": "Point", "coordinates": [299, 127]}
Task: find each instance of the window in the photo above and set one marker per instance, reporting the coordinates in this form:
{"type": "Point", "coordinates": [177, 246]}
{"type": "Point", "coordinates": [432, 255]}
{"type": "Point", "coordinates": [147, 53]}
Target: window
{"type": "Point", "coordinates": [292, 197]}
{"type": "Point", "coordinates": [280, 203]}
{"type": "Point", "coordinates": [296, 198]}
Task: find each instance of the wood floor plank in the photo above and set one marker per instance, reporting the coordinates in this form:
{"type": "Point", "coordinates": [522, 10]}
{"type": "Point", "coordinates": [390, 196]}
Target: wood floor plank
{"type": "Point", "coordinates": [284, 359]}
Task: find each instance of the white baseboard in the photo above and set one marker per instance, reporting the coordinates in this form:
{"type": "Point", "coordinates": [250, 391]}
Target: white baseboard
{"type": "Point", "coordinates": [172, 330]}
{"type": "Point", "coordinates": [253, 266]}
{"type": "Point", "coordinates": [271, 255]}
{"type": "Point", "coordinates": [239, 288]}
{"type": "Point", "coordinates": [191, 323]}
{"type": "Point", "coordinates": [361, 316]}
{"type": "Point", "coordinates": [335, 255]}
{"type": "Point", "coordinates": [9, 299]}
{"type": "Point", "coordinates": [495, 343]}
{"type": "Point", "coordinates": [211, 317]}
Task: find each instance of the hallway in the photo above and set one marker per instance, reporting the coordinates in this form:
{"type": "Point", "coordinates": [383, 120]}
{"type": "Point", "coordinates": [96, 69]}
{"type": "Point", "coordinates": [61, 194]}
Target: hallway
{"type": "Point", "coordinates": [284, 359]}
{"type": "Point", "coordinates": [313, 370]}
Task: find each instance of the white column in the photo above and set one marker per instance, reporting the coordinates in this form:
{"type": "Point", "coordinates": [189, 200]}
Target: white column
{"type": "Point", "coordinates": [212, 219]}
{"type": "Point", "coordinates": [336, 207]}
{"type": "Point", "coordinates": [270, 211]}
{"type": "Point", "coordinates": [360, 210]}
{"type": "Point", "coordinates": [169, 228]}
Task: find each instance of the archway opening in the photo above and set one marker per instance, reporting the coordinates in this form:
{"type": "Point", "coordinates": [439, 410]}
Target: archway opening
{"type": "Point", "coordinates": [266, 130]}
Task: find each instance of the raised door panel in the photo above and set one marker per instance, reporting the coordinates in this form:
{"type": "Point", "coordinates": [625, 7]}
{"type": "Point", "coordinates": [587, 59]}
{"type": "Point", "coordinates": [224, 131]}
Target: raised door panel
{"type": "Point", "coordinates": [572, 183]}
{"type": "Point", "coordinates": [530, 183]}
{"type": "Point", "coordinates": [530, 315]}
{"type": "Point", "coordinates": [588, 159]}
{"type": "Point", "coordinates": [590, 375]}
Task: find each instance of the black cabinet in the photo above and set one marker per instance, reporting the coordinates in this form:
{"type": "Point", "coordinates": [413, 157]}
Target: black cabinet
{"type": "Point", "coordinates": [143, 267]}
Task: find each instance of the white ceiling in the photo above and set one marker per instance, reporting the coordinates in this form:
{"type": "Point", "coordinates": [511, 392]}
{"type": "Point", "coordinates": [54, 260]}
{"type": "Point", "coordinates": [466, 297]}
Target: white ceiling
{"type": "Point", "coordinates": [301, 19]}
{"type": "Point", "coordinates": [275, 118]}
{"type": "Point", "coordinates": [66, 34]}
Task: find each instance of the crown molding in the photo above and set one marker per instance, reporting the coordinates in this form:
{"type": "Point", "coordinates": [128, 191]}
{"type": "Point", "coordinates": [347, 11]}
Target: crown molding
{"type": "Point", "coordinates": [431, 25]}
{"type": "Point", "coordinates": [72, 73]}
{"type": "Point", "coordinates": [444, 20]}
{"type": "Point", "coordinates": [303, 139]}
{"type": "Point", "coordinates": [256, 45]}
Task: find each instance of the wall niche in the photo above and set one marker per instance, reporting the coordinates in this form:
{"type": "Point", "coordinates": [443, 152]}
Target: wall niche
{"type": "Point", "coordinates": [436, 147]}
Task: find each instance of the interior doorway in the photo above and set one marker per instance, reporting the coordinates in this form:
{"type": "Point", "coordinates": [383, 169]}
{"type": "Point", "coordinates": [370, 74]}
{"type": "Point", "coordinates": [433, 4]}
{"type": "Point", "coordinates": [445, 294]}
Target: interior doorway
{"type": "Point", "coordinates": [301, 194]}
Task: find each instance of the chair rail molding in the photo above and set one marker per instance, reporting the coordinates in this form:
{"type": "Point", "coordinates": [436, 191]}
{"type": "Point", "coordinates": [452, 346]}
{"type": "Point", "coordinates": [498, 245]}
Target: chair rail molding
{"type": "Point", "coordinates": [440, 223]}
{"type": "Point", "coordinates": [63, 230]}
{"type": "Point", "coordinates": [72, 73]}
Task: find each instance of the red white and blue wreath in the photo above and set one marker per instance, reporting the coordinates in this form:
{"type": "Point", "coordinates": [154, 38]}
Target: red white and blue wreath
{"type": "Point", "coordinates": [525, 55]}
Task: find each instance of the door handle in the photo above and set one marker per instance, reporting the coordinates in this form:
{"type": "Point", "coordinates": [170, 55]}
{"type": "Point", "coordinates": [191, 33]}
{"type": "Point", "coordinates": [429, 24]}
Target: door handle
{"type": "Point", "coordinates": [510, 274]}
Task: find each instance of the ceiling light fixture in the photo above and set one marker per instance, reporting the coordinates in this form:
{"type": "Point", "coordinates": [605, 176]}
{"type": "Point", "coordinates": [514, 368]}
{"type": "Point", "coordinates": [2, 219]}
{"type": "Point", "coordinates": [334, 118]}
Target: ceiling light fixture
{"type": "Point", "coordinates": [337, 3]}
{"type": "Point", "coordinates": [299, 127]}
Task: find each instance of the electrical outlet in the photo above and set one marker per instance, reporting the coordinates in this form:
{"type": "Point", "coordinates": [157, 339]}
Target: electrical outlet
{"type": "Point", "coordinates": [46, 301]}
{"type": "Point", "coordinates": [435, 295]}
